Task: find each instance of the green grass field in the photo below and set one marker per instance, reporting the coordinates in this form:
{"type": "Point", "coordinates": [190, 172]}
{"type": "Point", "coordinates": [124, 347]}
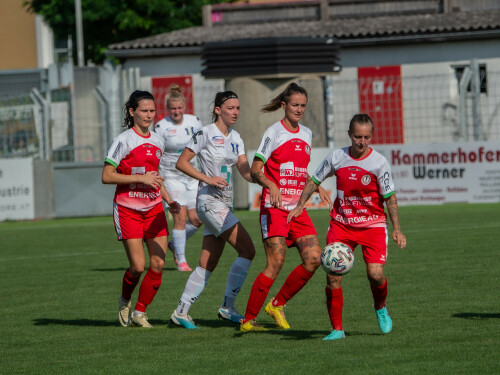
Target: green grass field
{"type": "Point", "coordinates": [61, 280]}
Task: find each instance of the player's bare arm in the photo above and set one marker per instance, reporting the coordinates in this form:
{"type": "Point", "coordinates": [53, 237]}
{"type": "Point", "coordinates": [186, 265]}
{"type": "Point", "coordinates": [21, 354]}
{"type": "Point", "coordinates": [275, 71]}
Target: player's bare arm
{"type": "Point", "coordinates": [111, 176]}
{"type": "Point", "coordinates": [323, 195]}
{"type": "Point", "coordinates": [308, 191]}
{"type": "Point", "coordinates": [183, 164]}
{"type": "Point", "coordinates": [244, 168]}
{"type": "Point", "coordinates": [260, 178]}
{"type": "Point", "coordinates": [392, 208]}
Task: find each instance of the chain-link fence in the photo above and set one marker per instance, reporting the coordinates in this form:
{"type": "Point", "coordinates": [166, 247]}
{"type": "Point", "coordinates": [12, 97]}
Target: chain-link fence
{"type": "Point", "coordinates": [77, 122]}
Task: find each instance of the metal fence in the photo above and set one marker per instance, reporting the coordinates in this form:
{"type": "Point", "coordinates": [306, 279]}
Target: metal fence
{"type": "Point", "coordinates": [74, 118]}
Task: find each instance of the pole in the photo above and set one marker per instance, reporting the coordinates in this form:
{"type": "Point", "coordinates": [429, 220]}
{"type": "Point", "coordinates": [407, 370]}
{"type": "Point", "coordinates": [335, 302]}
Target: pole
{"type": "Point", "coordinates": [79, 32]}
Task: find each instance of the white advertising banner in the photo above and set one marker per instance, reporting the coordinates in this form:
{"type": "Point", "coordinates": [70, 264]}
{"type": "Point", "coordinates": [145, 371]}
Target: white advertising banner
{"type": "Point", "coordinates": [17, 201]}
{"type": "Point", "coordinates": [445, 172]}
{"type": "Point", "coordinates": [317, 156]}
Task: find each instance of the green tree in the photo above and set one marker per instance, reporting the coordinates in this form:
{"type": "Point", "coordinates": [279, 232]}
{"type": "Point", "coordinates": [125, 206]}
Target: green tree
{"type": "Point", "coordinates": [111, 21]}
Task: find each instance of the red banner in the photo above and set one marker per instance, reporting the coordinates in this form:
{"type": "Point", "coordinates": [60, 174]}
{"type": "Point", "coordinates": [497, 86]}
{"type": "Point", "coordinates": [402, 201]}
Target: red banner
{"type": "Point", "coordinates": [380, 95]}
{"type": "Point", "coordinates": [161, 88]}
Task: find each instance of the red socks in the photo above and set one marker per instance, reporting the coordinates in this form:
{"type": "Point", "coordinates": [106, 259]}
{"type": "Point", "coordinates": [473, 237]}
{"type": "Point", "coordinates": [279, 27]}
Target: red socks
{"type": "Point", "coordinates": [149, 286]}
{"type": "Point", "coordinates": [379, 295]}
{"type": "Point", "coordinates": [335, 304]}
{"type": "Point", "coordinates": [258, 295]}
{"type": "Point", "coordinates": [128, 285]}
{"type": "Point", "coordinates": [297, 279]}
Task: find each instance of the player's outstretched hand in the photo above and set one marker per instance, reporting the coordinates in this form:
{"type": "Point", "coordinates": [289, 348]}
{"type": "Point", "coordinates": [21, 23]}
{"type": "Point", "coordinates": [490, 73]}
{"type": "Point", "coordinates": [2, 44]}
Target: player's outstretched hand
{"type": "Point", "coordinates": [297, 211]}
{"type": "Point", "coordinates": [399, 238]}
{"type": "Point", "coordinates": [175, 207]}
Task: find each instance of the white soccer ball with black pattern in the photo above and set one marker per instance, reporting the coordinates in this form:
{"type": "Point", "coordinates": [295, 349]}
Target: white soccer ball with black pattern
{"type": "Point", "coordinates": [337, 259]}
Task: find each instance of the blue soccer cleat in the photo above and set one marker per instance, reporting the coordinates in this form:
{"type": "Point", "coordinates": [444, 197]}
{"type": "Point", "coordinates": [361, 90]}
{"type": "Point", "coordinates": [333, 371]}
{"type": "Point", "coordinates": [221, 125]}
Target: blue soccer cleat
{"type": "Point", "coordinates": [335, 335]}
{"type": "Point", "coordinates": [384, 320]}
{"type": "Point", "coordinates": [183, 321]}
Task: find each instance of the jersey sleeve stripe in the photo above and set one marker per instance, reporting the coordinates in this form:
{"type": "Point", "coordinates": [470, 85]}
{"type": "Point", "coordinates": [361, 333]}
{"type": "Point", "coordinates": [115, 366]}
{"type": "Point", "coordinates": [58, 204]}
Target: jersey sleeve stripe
{"type": "Point", "coordinates": [388, 195]}
{"type": "Point", "coordinates": [315, 181]}
{"type": "Point", "coordinates": [262, 157]}
{"type": "Point", "coordinates": [109, 161]}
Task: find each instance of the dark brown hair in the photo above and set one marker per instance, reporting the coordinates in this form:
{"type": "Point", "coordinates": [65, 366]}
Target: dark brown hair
{"type": "Point", "coordinates": [133, 102]}
{"type": "Point", "coordinates": [220, 98]}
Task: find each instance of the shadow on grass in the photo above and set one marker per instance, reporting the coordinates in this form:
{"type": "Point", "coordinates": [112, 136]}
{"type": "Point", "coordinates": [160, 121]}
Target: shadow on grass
{"type": "Point", "coordinates": [75, 322]}
{"type": "Point", "coordinates": [123, 269]}
{"type": "Point", "coordinates": [301, 334]}
{"type": "Point", "coordinates": [477, 316]}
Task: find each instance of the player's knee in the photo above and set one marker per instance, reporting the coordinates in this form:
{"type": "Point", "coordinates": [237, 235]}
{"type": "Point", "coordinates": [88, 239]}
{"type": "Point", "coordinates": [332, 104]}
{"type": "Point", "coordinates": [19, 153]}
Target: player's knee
{"type": "Point", "coordinates": [136, 270]}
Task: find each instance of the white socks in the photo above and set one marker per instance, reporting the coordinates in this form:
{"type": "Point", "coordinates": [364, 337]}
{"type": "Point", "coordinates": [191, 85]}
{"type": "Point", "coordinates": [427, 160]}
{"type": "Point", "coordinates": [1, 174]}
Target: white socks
{"type": "Point", "coordinates": [235, 279]}
{"type": "Point", "coordinates": [179, 243]}
{"type": "Point", "coordinates": [194, 286]}
{"type": "Point", "coordinates": [190, 230]}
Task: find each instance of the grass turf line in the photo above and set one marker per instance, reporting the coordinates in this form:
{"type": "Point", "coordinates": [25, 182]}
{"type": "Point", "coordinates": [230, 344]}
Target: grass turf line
{"type": "Point", "coordinates": [61, 281]}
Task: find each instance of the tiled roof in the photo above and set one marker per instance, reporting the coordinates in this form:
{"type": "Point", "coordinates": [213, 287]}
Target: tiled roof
{"type": "Point", "coordinates": [342, 29]}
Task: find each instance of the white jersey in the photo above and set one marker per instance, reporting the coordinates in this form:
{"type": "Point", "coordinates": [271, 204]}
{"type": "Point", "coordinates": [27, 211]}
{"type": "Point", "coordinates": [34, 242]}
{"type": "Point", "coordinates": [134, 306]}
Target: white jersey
{"type": "Point", "coordinates": [217, 155]}
{"type": "Point", "coordinates": [176, 137]}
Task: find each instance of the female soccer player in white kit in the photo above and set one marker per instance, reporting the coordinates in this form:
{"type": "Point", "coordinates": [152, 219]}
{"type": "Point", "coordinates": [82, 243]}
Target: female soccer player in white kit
{"type": "Point", "coordinates": [176, 130]}
{"type": "Point", "coordinates": [219, 148]}
{"type": "Point", "coordinates": [132, 164]}
{"type": "Point", "coordinates": [364, 183]}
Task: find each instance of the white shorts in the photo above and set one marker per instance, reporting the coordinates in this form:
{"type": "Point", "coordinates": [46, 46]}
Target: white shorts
{"type": "Point", "coordinates": [182, 191]}
{"type": "Point", "coordinates": [216, 216]}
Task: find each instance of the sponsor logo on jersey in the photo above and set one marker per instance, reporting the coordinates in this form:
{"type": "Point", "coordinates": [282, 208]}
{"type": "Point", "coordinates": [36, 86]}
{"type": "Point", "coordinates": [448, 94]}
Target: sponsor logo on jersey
{"type": "Point", "coordinates": [291, 191]}
{"type": "Point", "coordinates": [287, 169]}
{"type": "Point", "coordinates": [292, 182]}
{"type": "Point", "coordinates": [236, 148]}
{"type": "Point", "coordinates": [366, 179]}
{"type": "Point", "coordinates": [353, 177]}
{"type": "Point", "coordinates": [171, 131]}
{"type": "Point", "coordinates": [266, 143]}
{"type": "Point", "coordinates": [283, 181]}
{"type": "Point", "coordinates": [308, 150]}
{"type": "Point", "coordinates": [217, 140]}
{"type": "Point", "coordinates": [117, 150]}
{"type": "Point", "coordinates": [298, 148]}
{"type": "Point", "coordinates": [354, 169]}
{"type": "Point", "coordinates": [385, 180]}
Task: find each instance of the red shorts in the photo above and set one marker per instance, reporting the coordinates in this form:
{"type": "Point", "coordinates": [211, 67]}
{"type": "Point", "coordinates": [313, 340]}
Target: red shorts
{"type": "Point", "coordinates": [373, 241]}
{"type": "Point", "coordinates": [273, 223]}
{"type": "Point", "coordinates": [131, 223]}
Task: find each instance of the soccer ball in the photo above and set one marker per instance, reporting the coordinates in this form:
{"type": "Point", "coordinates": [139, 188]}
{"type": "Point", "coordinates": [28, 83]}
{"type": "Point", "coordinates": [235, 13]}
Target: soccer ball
{"type": "Point", "coordinates": [337, 259]}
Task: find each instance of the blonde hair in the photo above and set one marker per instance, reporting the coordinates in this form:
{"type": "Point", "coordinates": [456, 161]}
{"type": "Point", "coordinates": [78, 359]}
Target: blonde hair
{"type": "Point", "coordinates": [175, 95]}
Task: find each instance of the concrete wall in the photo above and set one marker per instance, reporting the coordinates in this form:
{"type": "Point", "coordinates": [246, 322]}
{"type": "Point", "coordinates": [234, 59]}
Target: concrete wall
{"type": "Point", "coordinates": [78, 191]}
{"type": "Point", "coordinates": [255, 93]}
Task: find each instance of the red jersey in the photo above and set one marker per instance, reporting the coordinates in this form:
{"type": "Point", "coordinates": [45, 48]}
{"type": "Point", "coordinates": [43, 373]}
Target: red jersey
{"type": "Point", "coordinates": [362, 186]}
{"type": "Point", "coordinates": [132, 153]}
{"type": "Point", "coordinates": [286, 155]}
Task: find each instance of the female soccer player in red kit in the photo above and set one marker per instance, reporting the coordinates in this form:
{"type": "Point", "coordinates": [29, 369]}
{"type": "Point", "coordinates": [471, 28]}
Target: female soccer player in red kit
{"type": "Point", "coordinates": [280, 167]}
{"type": "Point", "coordinates": [364, 183]}
{"type": "Point", "coordinates": [132, 164]}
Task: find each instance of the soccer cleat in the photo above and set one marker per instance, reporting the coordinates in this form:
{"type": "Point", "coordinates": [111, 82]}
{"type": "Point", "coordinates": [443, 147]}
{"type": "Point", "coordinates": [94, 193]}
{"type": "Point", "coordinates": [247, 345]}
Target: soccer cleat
{"type": "Point", "coordinates": [384, 320]}
{"type": "Point", "coordinates": [278, 314]}
{"type": "Point", "coordinates": [252, 326]}
{"type": "Point", "coordinates": [183, 321]}
{"type": "Point", "coordinates": [139, 320]}
{"type": "Point", "coordinates": [171, 248]}
{"type": "Point", "coordinates": [335, 335]}
{"type": "Point", "coordinates": [183, 267]}
{"type": "Point", "coordinates": [230, 313]}
{"type": "Point", "coordinates": [123, 311]}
